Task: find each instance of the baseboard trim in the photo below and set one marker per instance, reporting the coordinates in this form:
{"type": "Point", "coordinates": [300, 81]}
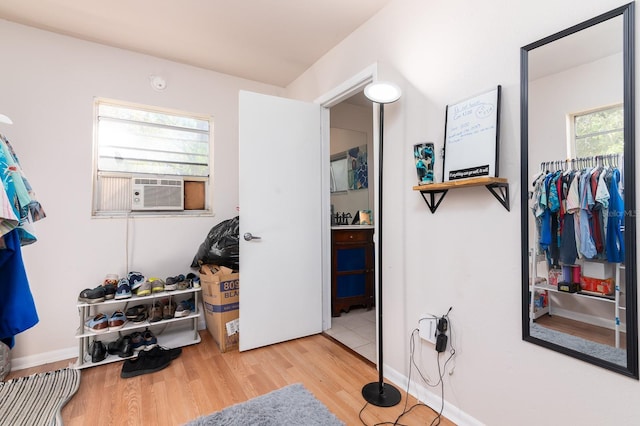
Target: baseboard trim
{"type": "Point", "coordinates": [44, 358]}
{"type": "Point", "coordinates": [426, 396]}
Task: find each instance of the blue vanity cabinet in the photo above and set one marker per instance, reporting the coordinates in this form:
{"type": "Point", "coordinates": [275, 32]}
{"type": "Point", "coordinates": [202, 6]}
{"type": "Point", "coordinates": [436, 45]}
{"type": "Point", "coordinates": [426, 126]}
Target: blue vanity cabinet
{"type": "Point", "coordinates": [352, 269]}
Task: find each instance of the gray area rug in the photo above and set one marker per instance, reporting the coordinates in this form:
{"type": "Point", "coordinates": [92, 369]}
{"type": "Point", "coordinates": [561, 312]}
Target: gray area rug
{"type": "Point", "coordinates": [598, 350]}
{"type": "Point", "coordinates": [291, 405]}
{"type": "Point", "coordinates": [37, 399]}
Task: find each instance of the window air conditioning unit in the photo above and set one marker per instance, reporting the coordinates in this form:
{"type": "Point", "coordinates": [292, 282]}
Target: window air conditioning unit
{"type": "Point", "coordinates": [157, 194]}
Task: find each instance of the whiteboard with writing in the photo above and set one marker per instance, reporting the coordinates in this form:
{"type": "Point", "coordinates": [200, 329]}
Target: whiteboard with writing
{"type": "Point", "coordinates": [471, 137]}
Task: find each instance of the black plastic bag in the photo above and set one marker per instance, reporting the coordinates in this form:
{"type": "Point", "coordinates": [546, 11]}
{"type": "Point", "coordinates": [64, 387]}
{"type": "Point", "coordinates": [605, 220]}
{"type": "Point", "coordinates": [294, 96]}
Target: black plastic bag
{"type": "Point", "coordinates": [221, 247]}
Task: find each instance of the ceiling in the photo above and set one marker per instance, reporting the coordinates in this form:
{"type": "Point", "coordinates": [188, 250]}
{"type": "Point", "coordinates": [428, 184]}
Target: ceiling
{"type": "Point", "coordinates": [268, 41]}
{"type": "Point", "coordinates": [582, 47]}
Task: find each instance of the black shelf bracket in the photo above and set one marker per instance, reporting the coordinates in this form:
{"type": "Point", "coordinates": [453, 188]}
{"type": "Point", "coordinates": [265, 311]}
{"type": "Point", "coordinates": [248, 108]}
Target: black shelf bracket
{"type": "Point", "coordinates": [432, 203]}
{"type": "Point", "coordinates": [503, 196]}
{"type": "Point", "coordinates": [433, 194]}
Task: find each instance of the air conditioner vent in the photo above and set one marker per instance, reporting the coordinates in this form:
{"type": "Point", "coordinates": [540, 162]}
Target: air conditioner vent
{"type": "Point", "coordinates": [157, 194]}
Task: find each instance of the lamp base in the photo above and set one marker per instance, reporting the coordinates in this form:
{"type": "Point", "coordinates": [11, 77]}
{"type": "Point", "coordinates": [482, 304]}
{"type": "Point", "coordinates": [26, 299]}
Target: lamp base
{"type": "Point", "coordinates": [388, 396]}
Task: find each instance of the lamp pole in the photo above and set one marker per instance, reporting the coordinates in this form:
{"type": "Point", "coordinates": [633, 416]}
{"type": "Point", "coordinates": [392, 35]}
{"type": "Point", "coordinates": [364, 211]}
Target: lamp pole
{"type": "Point", "coordinates": [379, 393]}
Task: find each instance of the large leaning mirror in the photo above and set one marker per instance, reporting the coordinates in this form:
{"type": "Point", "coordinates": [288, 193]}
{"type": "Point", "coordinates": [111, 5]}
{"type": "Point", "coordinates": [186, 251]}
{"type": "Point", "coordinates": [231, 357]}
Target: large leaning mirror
{"type": "Point", "coordinates": [578, 192]}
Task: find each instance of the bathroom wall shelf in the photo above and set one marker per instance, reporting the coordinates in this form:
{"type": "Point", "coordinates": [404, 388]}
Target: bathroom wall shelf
{"type": "Point", "coordinates": [433, 193]}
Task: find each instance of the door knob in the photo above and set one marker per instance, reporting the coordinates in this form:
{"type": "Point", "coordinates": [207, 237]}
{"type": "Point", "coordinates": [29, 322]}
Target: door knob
{"type": "Point", "coordinates": [249, 237]}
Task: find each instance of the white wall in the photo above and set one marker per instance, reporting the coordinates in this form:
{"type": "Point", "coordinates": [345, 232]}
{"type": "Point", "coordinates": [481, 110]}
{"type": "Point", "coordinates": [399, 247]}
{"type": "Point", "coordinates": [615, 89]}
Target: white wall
{"type": "Point", "coordinates": [47, 87]}
{"type": "Point", "coordinates": [467, 254]}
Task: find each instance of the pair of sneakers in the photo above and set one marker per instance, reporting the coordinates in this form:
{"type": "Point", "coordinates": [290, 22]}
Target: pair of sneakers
{"type": "Point", "coordinates": [143, 340]}
{"type": "Point", "coordinates": [152, 285]}
{"type": "Point", "coordinates": [149, 361]}
{"type": "Point", "coordinates": [101, 323]}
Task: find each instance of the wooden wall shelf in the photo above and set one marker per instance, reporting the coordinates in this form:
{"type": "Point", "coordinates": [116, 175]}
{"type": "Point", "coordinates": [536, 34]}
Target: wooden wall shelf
{"type": "Point", "coordinates": [499, 187]}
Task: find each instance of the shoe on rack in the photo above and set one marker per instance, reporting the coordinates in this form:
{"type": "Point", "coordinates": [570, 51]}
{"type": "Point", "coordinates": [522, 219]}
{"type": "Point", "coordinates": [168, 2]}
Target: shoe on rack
{"type": "Point", "coordinates": [193, 279]}
{"type": "Point", "coordinates": [137, 341]}
{"type": "Point", "coordinates": [184, 284]}
{"type": "Point", "coordinates": [134, 311]}
{"type": "Point", "coordinates": [144, 364]}
{"type": "Point", "coordinates": [109, 291]}
{"type": "Point", "coordinates": [168, 310]}
{"type": "Point", "coordinates": [183, 309]}
{"type": "Point", "coordinates": [157, 285]}
{"type": "Point", "coordinates": [170, 284]}
{"type": "Point", "coordinates": [92, 295]}
{"type": "Point", "coordinates": [144, 289]}
{"type": "Point", "coordinates": [98, 351]}
{"type": "Point", "coordinates": [135, 280]}
{"type": "Point", "coordinates": [98, 324]}
{"type": "Point", "coordinates": [117, 320]}
{"type": "Point", "coordinates": [121, 347]}
{"type": "Point", "coordinates": [150, 340]}
{"type": "Point", "coordinates": [124, 289]}
{"type": "Point", "coordinates": [141, 317]}
{"type": "Point", "coordinates": [155, 312]}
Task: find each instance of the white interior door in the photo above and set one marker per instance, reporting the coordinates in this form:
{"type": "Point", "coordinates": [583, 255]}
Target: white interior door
{"type": "Point", "coordinates": [280, 202]}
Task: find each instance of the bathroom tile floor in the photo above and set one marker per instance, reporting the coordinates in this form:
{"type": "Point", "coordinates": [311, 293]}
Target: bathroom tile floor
{"type": "Point", "coordinates": [356, 330]}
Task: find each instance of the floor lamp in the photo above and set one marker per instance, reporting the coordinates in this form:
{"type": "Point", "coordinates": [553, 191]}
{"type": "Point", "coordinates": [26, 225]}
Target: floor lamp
{"type": "Point", "coordinates": [379, 393]}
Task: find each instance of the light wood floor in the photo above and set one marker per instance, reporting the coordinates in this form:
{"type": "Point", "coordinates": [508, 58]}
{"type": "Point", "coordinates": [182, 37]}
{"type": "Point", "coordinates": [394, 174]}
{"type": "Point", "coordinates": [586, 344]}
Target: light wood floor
{"type": "Point", "coordinates": [602, 335]}
{"type": "Point", "coordinates": [203, 380]}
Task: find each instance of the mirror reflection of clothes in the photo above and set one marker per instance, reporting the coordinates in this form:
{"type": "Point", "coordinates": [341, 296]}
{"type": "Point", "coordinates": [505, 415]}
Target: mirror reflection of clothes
{"type": "Point", "coordinates": [579, 214]}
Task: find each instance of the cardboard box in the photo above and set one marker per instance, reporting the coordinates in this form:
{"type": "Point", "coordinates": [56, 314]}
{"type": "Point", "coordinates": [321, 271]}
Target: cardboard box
{"type": "Point", "coordinates": [598, 269]}
{"type": "Point", "coordinates": [221, 300]}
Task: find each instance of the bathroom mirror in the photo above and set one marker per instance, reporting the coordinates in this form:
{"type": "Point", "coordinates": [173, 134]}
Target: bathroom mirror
{"type": "Point", "coordinates": [578, 143]}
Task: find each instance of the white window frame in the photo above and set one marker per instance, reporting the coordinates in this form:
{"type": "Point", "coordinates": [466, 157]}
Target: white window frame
{"type": "Point", "coordinates": [572, 148]}
{"type": "Point", "coordinates": [98, 212]}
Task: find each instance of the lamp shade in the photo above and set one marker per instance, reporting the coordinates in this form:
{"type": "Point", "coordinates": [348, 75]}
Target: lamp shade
{"type": "Point", "coordinates": [382, 92]}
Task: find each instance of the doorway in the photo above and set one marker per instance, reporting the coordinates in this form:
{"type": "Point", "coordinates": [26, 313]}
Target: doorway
{"type": "Point", "coordinates": [351, 135]}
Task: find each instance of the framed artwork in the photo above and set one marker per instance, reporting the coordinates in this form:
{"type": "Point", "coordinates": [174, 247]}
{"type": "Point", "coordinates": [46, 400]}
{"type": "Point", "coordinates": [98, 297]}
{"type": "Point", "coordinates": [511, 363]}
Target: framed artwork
{"type": "Point", "coordinates": [358, 167]}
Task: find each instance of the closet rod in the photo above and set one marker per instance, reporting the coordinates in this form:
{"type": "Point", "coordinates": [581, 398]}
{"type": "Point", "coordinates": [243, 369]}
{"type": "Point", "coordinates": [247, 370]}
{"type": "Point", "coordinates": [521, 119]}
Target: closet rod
{"type": "Point", "coordinates": [610, 159]}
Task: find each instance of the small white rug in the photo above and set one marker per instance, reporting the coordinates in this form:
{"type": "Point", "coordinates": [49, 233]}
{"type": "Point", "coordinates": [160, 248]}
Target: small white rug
{"type": "Point", "coordinates": [37, 399]}
{"type": "Point", "coordinates": [291, 405]}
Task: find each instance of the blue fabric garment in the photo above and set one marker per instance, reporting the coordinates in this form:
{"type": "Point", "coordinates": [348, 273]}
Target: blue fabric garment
{"type": "Point", "coordinates": [568, 248]}
{"type": "Point", "coordinates": [614, 237]}
{"type": "Point", "coordinates": [19, 193]}
{"type": "Point", "coordinates": [17, 308]}
{"type": "Point", "coordinates": [554, 199]}
{"type": "Point", "coordinates": [545, 217]}
{"type": "Point", "coordinates": [587, 246]}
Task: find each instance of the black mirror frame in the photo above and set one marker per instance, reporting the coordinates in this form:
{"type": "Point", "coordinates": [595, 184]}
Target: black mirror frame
{"type": "Point", "coordinates": [627, 12]}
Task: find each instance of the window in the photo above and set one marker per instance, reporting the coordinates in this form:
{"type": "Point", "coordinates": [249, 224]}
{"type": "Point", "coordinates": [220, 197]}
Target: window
{"type": "Point", "coordinates": [148, 143]}
{"type": "Point", "coordinates": [599, 132]}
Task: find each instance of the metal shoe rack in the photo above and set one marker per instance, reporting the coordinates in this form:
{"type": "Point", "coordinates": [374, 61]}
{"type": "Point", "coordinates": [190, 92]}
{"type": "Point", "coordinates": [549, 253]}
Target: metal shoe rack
{"type": "Point", "coordinates": [171, 333]}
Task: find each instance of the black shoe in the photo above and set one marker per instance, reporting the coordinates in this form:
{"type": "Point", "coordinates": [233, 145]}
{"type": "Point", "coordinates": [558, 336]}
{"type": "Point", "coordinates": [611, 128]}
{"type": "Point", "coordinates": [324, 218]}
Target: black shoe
{"type": "Point", "coordinates": [98, 351]}
{"type": "Point", "coordinates": [143, 364]}
{"type": "Point", "coordinates": [121, 347]}
{"type": "Point", "coordinates": [158, 351]}
{"type": "Point", "coordinates": [89, 295]}
{"type": "Point", "coordinates": [134, 312]}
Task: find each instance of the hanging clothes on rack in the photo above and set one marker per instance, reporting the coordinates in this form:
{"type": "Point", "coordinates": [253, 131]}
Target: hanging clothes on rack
{"type": "Point", "coordinates": [579, 210]}
{"type": "Point", "coordinates": [19, 210]}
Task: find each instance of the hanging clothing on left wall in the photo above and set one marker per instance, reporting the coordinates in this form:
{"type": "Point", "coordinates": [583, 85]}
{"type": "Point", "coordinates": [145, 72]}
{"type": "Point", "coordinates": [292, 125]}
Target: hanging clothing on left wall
{"type": "Point", "coordinates": [18, 210]}
{"type": "Point", "coordinates": [17, 307]}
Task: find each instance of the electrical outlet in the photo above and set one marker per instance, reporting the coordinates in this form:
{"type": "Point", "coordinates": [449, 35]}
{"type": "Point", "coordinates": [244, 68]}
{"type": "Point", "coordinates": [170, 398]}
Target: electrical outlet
{"type": "Point", "coordinates": [428, 327]}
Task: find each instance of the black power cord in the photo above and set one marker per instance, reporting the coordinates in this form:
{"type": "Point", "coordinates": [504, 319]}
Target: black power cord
{"type": "Point", "coordinates": [412, 363]}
